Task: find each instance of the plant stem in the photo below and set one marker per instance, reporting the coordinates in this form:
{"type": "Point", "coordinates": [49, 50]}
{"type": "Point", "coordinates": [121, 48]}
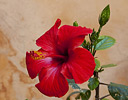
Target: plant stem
{"type": "Point", "coordinates": [96, 73]}
{"type": "Point", "coordinates": [104, 96]}
{"type": "Point", "coordinates": [99, 30]}
{"type": "Point", "coordinates": [97, 89]}
{"type": "Point", "coordinates": [103, 83]}
{"type": "Point", "coordinates": [94, 51]}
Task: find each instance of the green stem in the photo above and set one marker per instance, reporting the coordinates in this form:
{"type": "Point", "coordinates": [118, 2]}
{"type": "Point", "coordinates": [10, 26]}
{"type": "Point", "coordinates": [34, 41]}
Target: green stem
{"type": "Point", "coordinates": [94, 51]}
{"type": "Point", "coordinates": [104, 96]}
{"type": "Point", "coordinates": [91, 44]}
{"type": "Point", "coordinates": [99, 30]}
{"type": "Point", "coordinates": [103, 83]}
{"type": "Point", "coordinates": [96, 73]}
{"type": "Point", "coordinates": [97, 89]}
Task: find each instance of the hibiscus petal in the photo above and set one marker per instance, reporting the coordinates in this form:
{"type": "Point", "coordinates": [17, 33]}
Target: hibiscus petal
{"type": "Point", "coordinates": [48, 40]}
{"type": "Point", "coordinates": [52, 82]}
{"type": "Point", "coordinates": [81, 64]}
{"type": "Point", "coordinates": [34, 66]}
{"type": "Point", "coordinates": [66, 72]}
{"type": "Point", "coordinates": [72, 36]}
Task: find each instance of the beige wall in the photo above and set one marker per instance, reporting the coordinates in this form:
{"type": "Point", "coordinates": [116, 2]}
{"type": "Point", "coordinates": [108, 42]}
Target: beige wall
{"type": "Point", "coordinates": [23, 21]}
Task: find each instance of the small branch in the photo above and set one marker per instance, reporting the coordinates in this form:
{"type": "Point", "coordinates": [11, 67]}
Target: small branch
{"type": "Point", "coordinates": [94, 52]}
{"type": "Point", "coordinates": [97, 89]}
{"type": "Point", "coordinates": [104, 96]}
{"type": "Point", "coordinates": [91, 44]}
{"type": "Point", "coordinates": [103, 83]}
{"type": "Point", "coordinates": [99, 30]}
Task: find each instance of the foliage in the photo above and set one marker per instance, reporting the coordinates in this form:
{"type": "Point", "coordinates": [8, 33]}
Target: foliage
{"type": "Point", "coordinates": [105, 99]}
{"type": "Point", "coordinates": [108, 65]}
{"type": "Point", "coordinates": [97, 64]}
{"type": "Point", "coordinates": [93, 83]}
{"type": "Point", "coordinates": [106, 42]}
{"type": "Point", "coordinates": [73, 84]}
{"type": "Point", "coordinates": [118, 91]}
{"type": "Point", "coordinates": [96, 43]}
{"type": "Point", "coordinates": [104, 16]}
{"type": "Point", "coordinates": [84, 94]}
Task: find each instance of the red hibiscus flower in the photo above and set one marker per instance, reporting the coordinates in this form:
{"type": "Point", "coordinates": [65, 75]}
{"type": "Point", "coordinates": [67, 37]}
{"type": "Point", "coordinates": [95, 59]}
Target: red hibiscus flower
{"type": "Point", "coordinates": [60, 58]}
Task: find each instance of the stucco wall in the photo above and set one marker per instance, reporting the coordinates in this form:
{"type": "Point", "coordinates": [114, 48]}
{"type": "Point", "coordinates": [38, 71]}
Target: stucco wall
{"type": "Point", "coordinates": [23, 21]}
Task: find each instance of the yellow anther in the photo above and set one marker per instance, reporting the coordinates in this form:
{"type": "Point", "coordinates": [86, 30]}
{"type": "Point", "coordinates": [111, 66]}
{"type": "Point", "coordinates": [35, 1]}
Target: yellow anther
{"type": "Point", "coordinates": [37, 55]}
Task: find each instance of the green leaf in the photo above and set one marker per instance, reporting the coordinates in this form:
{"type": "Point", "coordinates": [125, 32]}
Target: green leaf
{"type": "Point", "coordinates": [77, 97]}
{"type": "Point", "coordinates": [101, 70]}
{"type": "Point", "coordinates": [118, 91]}
{"type": "Point", "coordinates": [93, 83]}
{"type": "Point", "coordinates": [108, 65]}
{"type": "Point", "coordinates": [83, 96]}
{"type": "Point", "coordinates": [105, 15]}
{"type": "Point", "coordinates": [97, 64]}
{"type": "Point", "coordinates": [75, 23]}
{"type": "Point", "coordinates": [83, 93]}
{"type": "Point", "coordinates": [105, 43]}
{"type": "Point", "coordinates": [68, 98]}
{"type": "Point", "coordinates": [85, 45]}
{"type": "Point", "coordinates": [105, 99]}
{"type": "Point", "coordinates": [93, 36]}
{"type": "Point", "coordinates": [97, 41]}
{"type": "Point", "coordinates": [73, 84]}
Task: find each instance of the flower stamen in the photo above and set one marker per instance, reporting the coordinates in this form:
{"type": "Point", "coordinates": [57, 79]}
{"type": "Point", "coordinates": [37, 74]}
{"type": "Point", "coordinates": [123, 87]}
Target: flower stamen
{"type": "Point", "coordinates": [37, 55]}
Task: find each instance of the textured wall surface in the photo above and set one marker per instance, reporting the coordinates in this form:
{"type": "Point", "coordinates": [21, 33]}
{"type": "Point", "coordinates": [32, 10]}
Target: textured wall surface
{"type": "Point", "coordinates": [23, 21]}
